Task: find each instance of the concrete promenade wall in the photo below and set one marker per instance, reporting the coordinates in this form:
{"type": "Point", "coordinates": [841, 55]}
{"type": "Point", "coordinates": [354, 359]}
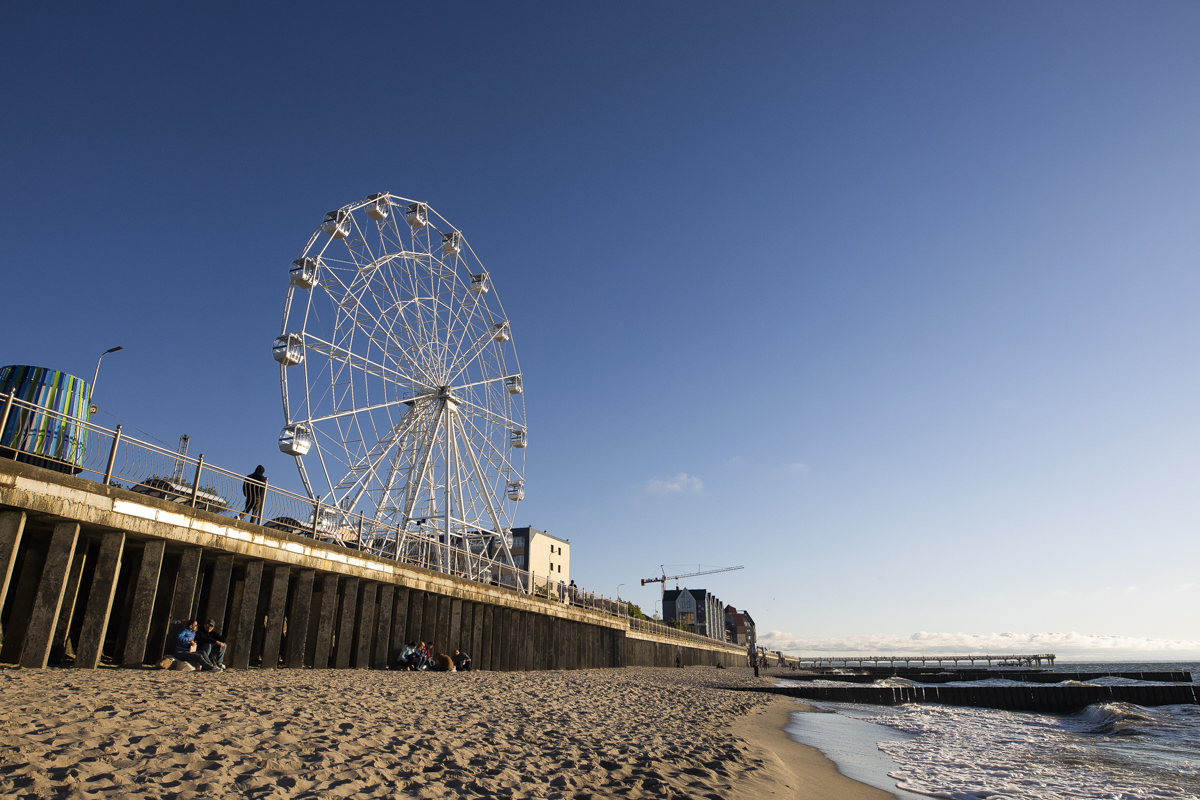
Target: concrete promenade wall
{"type": "Point", "coordinates": [104, 573]}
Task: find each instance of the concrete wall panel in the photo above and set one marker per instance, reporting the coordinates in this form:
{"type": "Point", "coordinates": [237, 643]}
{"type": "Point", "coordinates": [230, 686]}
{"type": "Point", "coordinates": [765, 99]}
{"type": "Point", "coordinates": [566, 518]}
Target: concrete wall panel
{"type": "Point", "coordinates": [145, 593]}
{"type": "Point", "coordinates": [39, 636]}
{"type": "Point", "coordinates": [487, 641]}
{"type": "Point", "coordinates": [241, 635]}
{"type": "Point", "coordinates": [344, 644]}
{"type": "Point", "coordinates": [299, 618]}
{"type": "Point", "coordinates": [382, 648]}
{"type": "Point", "coordinates": [98, 607]}
{"type": "Point", "coordinates": [322, 653]}
{"type": "Point", "coordinates": [399, 624]}
{"type": "Point", "coordinates": [364, 632]}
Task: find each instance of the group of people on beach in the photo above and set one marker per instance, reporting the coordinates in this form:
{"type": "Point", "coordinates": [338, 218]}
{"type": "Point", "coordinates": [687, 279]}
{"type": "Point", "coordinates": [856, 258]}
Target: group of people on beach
{"type": "Point", "coordinates": [204, 648]}
{"type": "Point", "coordinates": [419, 658]}
{"type": "Point", "coordinates": [201, 646]}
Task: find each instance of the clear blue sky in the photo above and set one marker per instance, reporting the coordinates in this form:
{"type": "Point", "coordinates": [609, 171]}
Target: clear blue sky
{"type": "Point", "coordinates": [893, 303]}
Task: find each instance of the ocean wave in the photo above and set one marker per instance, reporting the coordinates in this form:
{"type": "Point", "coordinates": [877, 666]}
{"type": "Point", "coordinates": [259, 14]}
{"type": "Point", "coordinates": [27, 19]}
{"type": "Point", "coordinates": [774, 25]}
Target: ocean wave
{"type": "Point", "coordinates": [1122, 719]}
{"type": "Point", "coordinates": [1109, 750]}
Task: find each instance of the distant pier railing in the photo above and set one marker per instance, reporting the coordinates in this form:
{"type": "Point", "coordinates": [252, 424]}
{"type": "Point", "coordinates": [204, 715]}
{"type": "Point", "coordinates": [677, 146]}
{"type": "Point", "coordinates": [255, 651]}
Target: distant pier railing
{"type": "Point", "coordinates": [1009, 660]}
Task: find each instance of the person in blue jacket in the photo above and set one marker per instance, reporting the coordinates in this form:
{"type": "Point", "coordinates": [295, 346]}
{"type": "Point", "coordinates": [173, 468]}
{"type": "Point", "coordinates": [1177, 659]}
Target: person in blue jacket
{"type": "Point", "coordinates": [185, 648]}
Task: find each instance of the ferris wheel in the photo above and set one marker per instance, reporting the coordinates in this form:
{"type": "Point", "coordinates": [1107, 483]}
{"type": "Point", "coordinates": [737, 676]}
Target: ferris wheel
{"type": "Point", "coordinates": [402, 393]}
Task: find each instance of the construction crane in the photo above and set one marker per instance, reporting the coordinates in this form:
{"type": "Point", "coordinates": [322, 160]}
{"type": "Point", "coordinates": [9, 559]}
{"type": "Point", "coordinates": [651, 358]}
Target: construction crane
{"type": "Point", "coordinates": [665, 577]}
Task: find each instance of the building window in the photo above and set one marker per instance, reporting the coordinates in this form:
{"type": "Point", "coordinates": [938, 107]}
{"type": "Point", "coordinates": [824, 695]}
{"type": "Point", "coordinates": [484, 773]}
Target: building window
{"type": "Point", "coordinates": [552, 566]}
{"type": "Point", "coordinates": [560, 567]}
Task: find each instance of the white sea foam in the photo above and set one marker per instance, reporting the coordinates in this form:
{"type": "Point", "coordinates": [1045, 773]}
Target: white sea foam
{"type": "Point", "coordinates": [1108, 751]}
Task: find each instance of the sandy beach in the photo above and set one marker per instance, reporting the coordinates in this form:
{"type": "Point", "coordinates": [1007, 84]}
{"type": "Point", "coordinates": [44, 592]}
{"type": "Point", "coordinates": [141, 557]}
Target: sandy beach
{"type": "Point", "coordinates": [600, 733]}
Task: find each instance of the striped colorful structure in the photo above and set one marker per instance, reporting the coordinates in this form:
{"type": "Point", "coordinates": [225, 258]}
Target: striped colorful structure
{"type": "Point", "coordinates": [45, 439]}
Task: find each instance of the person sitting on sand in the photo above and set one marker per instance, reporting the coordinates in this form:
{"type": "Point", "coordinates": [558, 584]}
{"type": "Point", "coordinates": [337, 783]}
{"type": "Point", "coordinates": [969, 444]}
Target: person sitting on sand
{"type": "Point", "coordinates": [408, 657]}
{"type": "Point", "coordinates": [185, 648]}
{"type": "Point", "coordinates": [462, 661]}
{"type": "Point", "coordinates": [442, 663]}
{"type": "Point", "coordinates": [424, 657]}
{"type": "Point", "coordinates": [211, 644]}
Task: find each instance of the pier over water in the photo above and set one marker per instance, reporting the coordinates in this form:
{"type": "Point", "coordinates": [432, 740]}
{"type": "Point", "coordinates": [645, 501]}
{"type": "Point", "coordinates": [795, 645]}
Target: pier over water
{"type": "Point", "coordinates": [1010, 660]}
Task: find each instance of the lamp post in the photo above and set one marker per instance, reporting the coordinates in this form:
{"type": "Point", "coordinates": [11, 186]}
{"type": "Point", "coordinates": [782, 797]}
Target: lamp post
{"type": "Point", "coordinates": [619, 585]}
{"type": "Point", "coordinates": [96, 374]}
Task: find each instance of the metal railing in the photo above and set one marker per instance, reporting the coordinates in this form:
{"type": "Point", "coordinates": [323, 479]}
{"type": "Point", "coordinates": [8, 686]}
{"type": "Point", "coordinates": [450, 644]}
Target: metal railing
{"type": "Point", "coordinates": [47, 438]}
{"type": "Point", "coordinates": [662, 629]}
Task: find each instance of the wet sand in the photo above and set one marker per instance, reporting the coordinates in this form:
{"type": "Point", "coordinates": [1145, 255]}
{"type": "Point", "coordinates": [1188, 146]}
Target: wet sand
{"type": "Point", "coordinates": [634, 733]}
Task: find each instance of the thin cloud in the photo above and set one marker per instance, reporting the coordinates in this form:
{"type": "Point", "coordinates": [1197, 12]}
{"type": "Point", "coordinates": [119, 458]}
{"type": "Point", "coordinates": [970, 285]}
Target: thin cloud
{"type": "Point", "coordinates": [796, 466]}
{"type": "Point", "coordinates": [675, 484]}
{"type": "Point", "coordinates": [736, 461]}
{"type": "Point", "coordinates": [1063, 644]}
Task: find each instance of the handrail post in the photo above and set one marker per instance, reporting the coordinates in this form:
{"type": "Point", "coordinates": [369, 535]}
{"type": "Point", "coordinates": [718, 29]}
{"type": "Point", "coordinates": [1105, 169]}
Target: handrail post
{"type": "Point", "coordinates": [262, 502]}
{"type": "Point", "coordinates": [112, 456]}
{"type": "Point", "coordinates": [8, 404]}
{"type": "Point", "coordinates": [196, 483]}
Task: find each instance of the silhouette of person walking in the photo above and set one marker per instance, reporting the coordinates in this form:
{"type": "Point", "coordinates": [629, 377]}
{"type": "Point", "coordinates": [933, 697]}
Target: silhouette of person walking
{"type": "Point", "coordinates": [253, 490]}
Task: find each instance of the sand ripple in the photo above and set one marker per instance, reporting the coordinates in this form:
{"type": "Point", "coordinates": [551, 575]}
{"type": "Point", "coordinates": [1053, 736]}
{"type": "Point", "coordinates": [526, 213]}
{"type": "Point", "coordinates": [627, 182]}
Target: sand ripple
{"type": "Point", "coordinates": [306, 734]}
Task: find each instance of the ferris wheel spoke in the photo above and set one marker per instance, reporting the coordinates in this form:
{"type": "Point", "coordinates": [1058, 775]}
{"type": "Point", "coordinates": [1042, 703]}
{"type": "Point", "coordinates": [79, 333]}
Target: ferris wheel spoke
{"type": "Point", "coordinates": [358, 306]}
{"type": "Point", "coordinates": [420, 477]}
{"type": "Point", "coordinates": [487, 414]}
{"type": "Point", "coordinates": [484, 489]}
{"type": "Point", "coordinates": [382, 505]}
{"type": "Point", "coordinates": [352, 411]}
{"type": "Point", "coordinates": [457, 322]}
{"type": "Point", "coordinates": [354, 360]}
{"type": "Point", "coordinates": [477, 347]}
{"type": "Point", "coordinates": [414, 451]}
{"type": "Point", "coordinates": [324, 465]}
{"type": "Point", "coordinates": [487, 445]}
{"type": "Point", "coordinates": [364, 470]}
{"type": "Point", "coordinates": [484, 382]}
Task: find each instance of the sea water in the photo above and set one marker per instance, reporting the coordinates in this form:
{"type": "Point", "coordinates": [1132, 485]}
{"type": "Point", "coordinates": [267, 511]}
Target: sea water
{"type": "Point", "coordinates": [1108, 750]}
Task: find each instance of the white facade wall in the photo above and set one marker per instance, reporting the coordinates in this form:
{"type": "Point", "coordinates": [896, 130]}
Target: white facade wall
{"type": "Point", "coordinates": [548, 556]}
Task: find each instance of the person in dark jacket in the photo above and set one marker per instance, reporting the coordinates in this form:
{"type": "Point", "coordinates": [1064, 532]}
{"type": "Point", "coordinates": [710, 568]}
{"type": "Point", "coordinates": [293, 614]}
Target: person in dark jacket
{"type": "Point", "coordinates": [185, 648]}
{"type": "Point", "coordinates": [253, 490]}
{"type": "Point", "coordinates": [211, 644]}
{"type": "Point", "coordinates": [462, 661]}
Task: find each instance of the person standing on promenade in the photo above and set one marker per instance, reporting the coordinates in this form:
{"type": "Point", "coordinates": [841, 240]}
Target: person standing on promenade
{"type": "Point", "coordinates": [253, 489]}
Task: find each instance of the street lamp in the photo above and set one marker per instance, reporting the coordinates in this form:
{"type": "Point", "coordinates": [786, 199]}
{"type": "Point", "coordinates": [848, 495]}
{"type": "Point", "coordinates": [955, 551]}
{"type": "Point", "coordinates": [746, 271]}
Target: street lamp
{"type": "Point", "coordinates": [619, 585]}
{"type": "Point", "coordinates": [97, 372]}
